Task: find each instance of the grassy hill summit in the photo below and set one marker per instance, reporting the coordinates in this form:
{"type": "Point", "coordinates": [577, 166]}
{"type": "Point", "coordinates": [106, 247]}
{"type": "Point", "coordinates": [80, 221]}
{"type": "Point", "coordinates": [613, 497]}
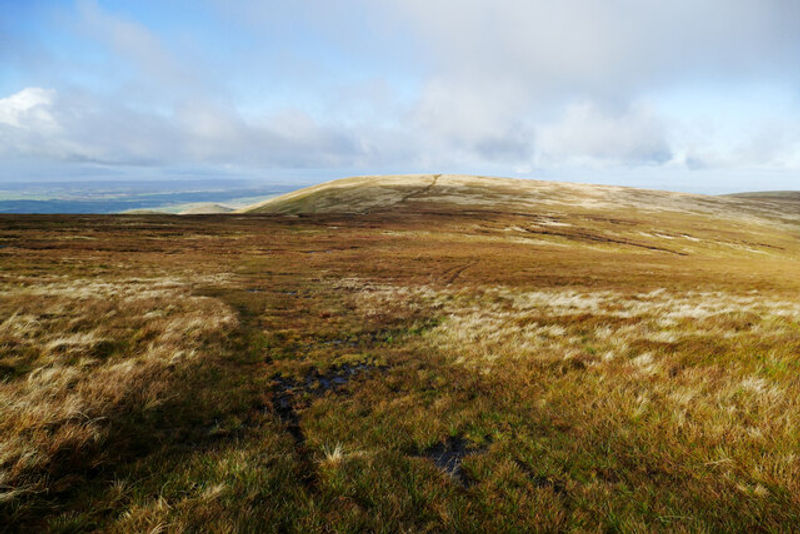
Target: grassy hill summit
{"type": "Point", "coordinates": [561, 212]}
{"type": "Point", "coordinates": [363, 194]}
{"type": "Point", "coordinates": [375, 193]}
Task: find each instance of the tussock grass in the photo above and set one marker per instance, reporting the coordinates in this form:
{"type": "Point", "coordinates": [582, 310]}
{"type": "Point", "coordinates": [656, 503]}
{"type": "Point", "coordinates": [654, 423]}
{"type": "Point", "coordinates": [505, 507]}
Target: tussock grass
{"type": "Point", "coordinates": [77, 357]}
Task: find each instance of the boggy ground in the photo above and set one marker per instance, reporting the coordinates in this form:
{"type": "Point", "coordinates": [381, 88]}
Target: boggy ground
{"type": "Point", "coordinates": [420, 369]}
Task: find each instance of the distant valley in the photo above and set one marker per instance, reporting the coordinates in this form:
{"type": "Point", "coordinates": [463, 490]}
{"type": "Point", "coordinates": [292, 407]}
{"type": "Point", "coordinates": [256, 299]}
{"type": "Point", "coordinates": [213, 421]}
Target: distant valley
{"type": "Point", "coordinates": [193, 196]}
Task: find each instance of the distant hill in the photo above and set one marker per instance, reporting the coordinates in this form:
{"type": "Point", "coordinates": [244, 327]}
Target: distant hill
{"type": "Point", "coordinates": [566, 214]}
{"type": "Point", "coordinates": [367, 194]}
{"type": "Point", "coordinates": [206, 208]}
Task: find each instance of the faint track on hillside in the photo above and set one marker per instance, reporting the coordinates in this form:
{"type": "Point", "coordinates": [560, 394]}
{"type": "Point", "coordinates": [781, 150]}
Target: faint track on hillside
{"type": "Point", "coordinates": [420, 192]}
{"type": "Point", "coordinates": [450, 275]}
{"type": "Point", "coordinates": [585, 236]}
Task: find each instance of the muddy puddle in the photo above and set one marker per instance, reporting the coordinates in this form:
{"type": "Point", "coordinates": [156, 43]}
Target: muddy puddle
{"type": "Point", "coordinates": [285, 391]}
{"type": "Point", "coordinates": [448, 455]}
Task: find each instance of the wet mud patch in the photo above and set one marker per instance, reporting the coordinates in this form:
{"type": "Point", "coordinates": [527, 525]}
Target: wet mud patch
{"type": "Point", "coordinates": [283, 407]}
{"type": "Point", "coordinates": [289, 393]}
{"type": "Point", "coordinates": [336, 377]}
{"type": "Point", "coordinates": [447, 456]}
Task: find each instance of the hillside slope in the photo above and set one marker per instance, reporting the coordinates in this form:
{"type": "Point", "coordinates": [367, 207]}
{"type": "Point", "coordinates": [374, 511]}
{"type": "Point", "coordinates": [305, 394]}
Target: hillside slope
{"type": "Point", "coordinates": [561, 213]}
{"type": "Point", "coordinates": [782, 203]}
{"type": "Point", "coordinates": [365, 194]}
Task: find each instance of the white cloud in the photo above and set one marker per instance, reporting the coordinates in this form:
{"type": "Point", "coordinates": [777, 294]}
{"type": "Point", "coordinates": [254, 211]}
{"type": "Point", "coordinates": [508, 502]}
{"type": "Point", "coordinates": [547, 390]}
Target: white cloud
{"type": "Point", "coordinates": [86, 128]}
{"type": "Point", "coordinates": [610, 48]}
{"type": "Point", "coordinates": [770, 145]}
{"type": "Point", "coordinates": [589, 135]}
{"type": "Point", "coordinates": [28, 127]}
{"type": "Point", "coordinates": [483, 120]}
{"type": "Point", "coordinates": [563, 83]}
{"type": "Point", "coordinates": [28, 109]}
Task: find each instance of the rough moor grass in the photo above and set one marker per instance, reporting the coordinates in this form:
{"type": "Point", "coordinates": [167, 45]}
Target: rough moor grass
{"type": "Point", "coordinates": [429, 367]}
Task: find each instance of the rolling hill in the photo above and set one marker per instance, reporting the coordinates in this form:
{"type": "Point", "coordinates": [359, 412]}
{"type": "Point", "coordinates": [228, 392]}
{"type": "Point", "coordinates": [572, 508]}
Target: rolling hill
{"type": "Point", "coordinates": [554, 212]}
{"type": "Point", "coordinates": [207, 208]}
{"type": "Point", "coordinates": [363, 194]}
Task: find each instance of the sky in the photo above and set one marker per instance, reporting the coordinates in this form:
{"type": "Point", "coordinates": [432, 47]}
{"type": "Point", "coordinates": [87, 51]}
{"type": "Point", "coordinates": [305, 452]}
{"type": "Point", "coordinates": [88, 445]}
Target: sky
{"type": "Point", "coordinates": [687, 95]}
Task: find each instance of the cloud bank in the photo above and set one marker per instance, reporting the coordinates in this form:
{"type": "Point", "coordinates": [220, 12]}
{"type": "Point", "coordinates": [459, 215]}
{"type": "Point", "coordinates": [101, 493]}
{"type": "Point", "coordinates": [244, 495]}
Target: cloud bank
{"type": "Point", "coordinates": [504, 86]}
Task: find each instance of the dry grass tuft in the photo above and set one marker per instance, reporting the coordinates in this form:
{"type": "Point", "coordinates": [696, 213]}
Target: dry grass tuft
{"type": "Point", "coordinates": [77, 355]}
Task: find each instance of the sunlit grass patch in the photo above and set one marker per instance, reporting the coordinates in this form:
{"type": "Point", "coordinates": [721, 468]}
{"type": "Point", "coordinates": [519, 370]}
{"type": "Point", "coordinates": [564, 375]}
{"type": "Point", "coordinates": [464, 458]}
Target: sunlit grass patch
{"type": "Point", "coordinates": [84, 354]}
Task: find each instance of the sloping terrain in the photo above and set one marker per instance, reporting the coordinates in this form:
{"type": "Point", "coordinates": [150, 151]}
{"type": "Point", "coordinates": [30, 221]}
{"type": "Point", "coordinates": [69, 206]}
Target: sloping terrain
{"type": "Point", "coordinates": [558, 213]}
{"type": "Point", "coordinates": [777, 202]}
{"type": "Point", "coordinates": [381, 193]}
{"type": "Point", "coordinates": [206, 209]}
{"type": "Point", "coordinates": [419, 354]}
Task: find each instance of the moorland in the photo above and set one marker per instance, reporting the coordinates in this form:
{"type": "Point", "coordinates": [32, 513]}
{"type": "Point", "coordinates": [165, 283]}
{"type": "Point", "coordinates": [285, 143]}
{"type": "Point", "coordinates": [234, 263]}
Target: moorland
{"type": "Point", "coordinates": [413, 353]}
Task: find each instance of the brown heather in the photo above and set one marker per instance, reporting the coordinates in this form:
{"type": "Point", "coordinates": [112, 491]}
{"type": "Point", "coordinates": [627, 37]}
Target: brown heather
{"type": "Point", "coordinates": [612, 359]}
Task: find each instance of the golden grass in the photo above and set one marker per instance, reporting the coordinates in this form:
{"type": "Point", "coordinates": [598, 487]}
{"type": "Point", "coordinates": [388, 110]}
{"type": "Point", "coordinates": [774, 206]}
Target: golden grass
{"type": "Point", "coordinates": [86, 350]}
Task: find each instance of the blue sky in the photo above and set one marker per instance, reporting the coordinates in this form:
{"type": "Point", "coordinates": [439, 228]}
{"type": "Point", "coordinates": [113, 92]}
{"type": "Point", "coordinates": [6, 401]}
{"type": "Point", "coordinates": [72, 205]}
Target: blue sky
{"type": "Point", "coordinates": [682, 95]}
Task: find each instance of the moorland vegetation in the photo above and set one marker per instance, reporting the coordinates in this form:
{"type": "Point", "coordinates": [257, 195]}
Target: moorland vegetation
{"type": "Point", "coordinates": [425, 353]}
